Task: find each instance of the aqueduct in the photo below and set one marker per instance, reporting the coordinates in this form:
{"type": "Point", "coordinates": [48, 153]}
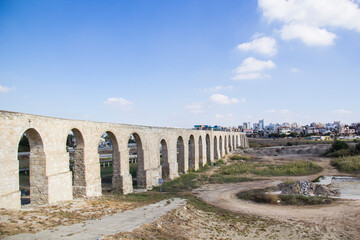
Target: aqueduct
{"type": "Point", "coordinates": [51, 179]}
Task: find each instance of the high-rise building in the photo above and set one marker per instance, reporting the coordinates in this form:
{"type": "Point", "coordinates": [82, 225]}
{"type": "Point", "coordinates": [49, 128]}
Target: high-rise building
{"type": "Point", "coordinates": [261, 124]}
{"type": "Point", "coordinates": [246, 125]}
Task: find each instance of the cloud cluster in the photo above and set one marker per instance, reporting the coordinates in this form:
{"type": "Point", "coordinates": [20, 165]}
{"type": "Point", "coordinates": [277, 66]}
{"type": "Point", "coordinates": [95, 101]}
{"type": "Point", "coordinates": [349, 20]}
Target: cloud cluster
{"type": "Point", "coordinates": [309, 20]}
{"type": "Point", "coordinates": [195, 107]}
{"type": "Point", "coordinates": [118, 102]}
{"type": "Point", "coordinates": [4, 89]}
{"type": "Point", "coordinates": [218, 88]}
{"type": "Point", "coordinates": [274, 111]}
{"type": "Point", "coordinates": [263, 45]}
{"type": "Point", "coordinates": [252, 68]}
{"type": "Point", "coordinates": [225, 100]}
{"type": "Point", "coordinates": [341, 111]}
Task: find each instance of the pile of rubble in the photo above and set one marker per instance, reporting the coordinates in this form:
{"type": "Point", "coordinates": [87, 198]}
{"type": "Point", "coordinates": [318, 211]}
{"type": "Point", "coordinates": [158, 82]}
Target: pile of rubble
{"type": "Point", "coordinates": [310, 189]}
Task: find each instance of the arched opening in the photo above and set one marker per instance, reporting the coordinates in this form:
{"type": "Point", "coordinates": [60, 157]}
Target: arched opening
{"type": "Point", "coordinates": [164, 160]}
{"type": "Point", "coordinates": [108, 154]}
{"type": "Point", "coordinates": [32, 177]}
{"type": "Point", "coordinates": [191, 152]}
{"type": "Point", "coordinates": [233, 143]}
{"type": "Point", "coordinates": [24, 169]}
{"type": "Point", "coordinates": [220, 146]}
{"type": "Point", "coordinates": [180, 155]}
{"type": "Point", "coordinates": [75, 148]}
{"type": "Point", "coordinates": [229, 143]}
{"type": "Point", "coordinates": [216, 157]}
{"type": "Point", "coordinates": [208, 157]}
{"type": "Point", "coordinates": [201, 160]}
{"type": "Point", "coordinates": [226, 145]}
{"type": "Point", "coordinates": [237, 141]}
{"type": "Point", "coordinates": [136, 161]}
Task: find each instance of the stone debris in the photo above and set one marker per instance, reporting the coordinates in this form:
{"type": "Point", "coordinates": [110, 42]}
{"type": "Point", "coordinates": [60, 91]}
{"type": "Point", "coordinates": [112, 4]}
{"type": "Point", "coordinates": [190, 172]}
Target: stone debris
{"type": "Point", "coordinates": [309, 189]}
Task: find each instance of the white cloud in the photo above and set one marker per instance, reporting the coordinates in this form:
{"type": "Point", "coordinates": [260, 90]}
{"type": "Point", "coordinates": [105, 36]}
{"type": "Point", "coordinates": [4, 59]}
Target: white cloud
{"type": "Point", "coordinates": [218, 88]}
{"type": "Point", "coordinates": [222, 99]}
{"type": "Point", "coordinates": [219, 116]}
{"type": "Point", "coordinates": [294, 70]}
{"type": "Point", "coordinates": [263, 45]}
{"type": "Point", "coordinates": [195, 108]}
{"type": "Point", "coordinates": [274, 111]}
{"type": "Point", "coordinates": [118, 102]}
{"type": "Point", "coordinates": [309, 35]}
{"type": "Point", "coordinates": [251, 68]}
{"type": "Point", "coordinates": [270, 111]}
{"type": "Point", "coordinates": [341, 111]}
{"type": "Point", "coordinates": [4, 89]}
{"type": "Point", "coordinates": [309, 20]}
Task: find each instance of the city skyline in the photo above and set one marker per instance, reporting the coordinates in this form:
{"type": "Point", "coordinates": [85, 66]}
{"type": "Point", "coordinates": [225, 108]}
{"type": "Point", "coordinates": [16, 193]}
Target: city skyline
{"type": "Point", "coordinates": [182, 63]}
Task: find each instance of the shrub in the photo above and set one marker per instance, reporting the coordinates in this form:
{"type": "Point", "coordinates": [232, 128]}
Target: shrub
{"type": "Point", "coordinates": [240, 157]}
{"type": "Point", "coordinates": [289, 144]}
{"type": "Point", "coordinates": [338, 145]}
{"type": "Point", "coordinates": [220, 162]}
{"type": "Point", "coordinates": [133, 169]}
{"type": "Point", "coordinates": [357, 147]}
{"type": "Point", "coordinates": [342, 153]}
{"type": "Point", "coordinates": [342, 149]}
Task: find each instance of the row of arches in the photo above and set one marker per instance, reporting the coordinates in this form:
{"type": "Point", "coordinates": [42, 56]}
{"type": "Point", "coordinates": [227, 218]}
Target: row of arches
{"type": "Point", "coordinates": [114, 166]}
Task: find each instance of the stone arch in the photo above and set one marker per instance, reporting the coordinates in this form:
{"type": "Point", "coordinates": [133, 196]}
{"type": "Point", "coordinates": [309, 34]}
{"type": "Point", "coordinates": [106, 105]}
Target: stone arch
{"type": "Point", "coordinates": [116, 165]}
{"type": "Point", "coordinates": [37, 168]}
{"type": "Point", "coordinates": [208, 155]}
{"type": "Point", "coordinates": [216, 157]}
{"type": "Point", "coordinates": [191, 152]}
{"type": "Point", "coordinates": [140, 164]}
{"type": "Point", "coordinates": [164, 160]}
{"type": "Point", "coordinates": [109, 166]}
{"type": "Point", "coordinates": [75, 147]}
{"type": "Point", "coordinates": [220, 146]}
{"type": "Point", "coordinates": [180, 155]}
{"type": "Point", "coordinates": [201, 155]}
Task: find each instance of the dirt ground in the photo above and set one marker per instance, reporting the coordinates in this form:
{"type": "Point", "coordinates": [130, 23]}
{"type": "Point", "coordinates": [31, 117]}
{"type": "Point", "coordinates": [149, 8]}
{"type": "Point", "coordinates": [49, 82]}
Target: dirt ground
{"type": "Point", "coordinates": [339, 220]}
{"type": "Point", "coordinates": [239, 219]}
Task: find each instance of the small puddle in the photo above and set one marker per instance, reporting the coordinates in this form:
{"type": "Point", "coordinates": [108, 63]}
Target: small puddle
{"type": "Point", "coordinates": [349, 187]}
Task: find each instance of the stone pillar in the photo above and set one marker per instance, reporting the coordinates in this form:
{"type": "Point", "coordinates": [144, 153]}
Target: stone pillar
{"type": "Point", "coordinates": [172, 159]}
{"type": "Point", "coordinates": [9, 167]}
{"type": "Point", "coordinates": [92, 172]}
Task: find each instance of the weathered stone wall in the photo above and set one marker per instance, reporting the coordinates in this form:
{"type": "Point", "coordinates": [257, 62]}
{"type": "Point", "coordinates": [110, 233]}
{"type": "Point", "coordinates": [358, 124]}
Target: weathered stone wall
{"type": "Point", "coordinates": [51, 179]}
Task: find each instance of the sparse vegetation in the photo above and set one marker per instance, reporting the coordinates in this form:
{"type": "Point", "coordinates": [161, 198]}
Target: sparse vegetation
{"type": "Point", "coordinates": [296, 168]}
{"type": "Point", "coordinates": [347, 164]}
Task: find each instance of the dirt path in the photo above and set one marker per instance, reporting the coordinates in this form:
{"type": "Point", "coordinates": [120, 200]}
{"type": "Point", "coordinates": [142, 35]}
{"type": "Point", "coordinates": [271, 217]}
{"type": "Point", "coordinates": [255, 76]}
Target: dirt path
{"type": "Point", "coordinates": [109, 224]}
{"type": "Point", "coordinates": [342, 218]}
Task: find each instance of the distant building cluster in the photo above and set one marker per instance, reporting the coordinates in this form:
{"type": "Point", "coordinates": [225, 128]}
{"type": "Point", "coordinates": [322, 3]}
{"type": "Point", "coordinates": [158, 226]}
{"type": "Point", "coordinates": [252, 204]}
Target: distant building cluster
{"type": "Point", "coordinates": [259, 129]}
{"type": "Point", "coordinates": [216, 128]}
{"type": "Point", "coordinates": [295, 129]}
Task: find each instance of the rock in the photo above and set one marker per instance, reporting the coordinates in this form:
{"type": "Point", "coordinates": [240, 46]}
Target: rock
{"type": "Point", "coordinates": [307, 188]}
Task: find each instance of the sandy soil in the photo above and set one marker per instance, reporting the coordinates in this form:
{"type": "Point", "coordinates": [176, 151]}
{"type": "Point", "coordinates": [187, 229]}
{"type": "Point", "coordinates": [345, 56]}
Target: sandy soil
{"type": "Point", "coordinates": [190, 223]}
{"type": "Point", "coordinates": [338, 220]}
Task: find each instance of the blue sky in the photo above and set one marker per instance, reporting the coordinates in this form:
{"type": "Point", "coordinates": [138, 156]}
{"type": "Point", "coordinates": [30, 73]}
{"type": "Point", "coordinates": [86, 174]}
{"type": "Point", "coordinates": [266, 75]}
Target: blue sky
{"type": "Point", "coordinates": [180, 63]}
